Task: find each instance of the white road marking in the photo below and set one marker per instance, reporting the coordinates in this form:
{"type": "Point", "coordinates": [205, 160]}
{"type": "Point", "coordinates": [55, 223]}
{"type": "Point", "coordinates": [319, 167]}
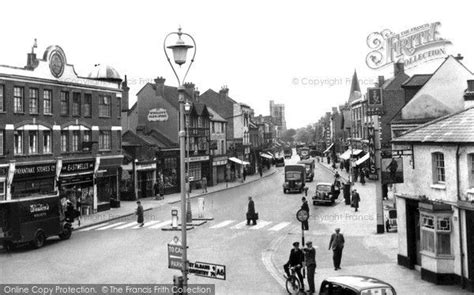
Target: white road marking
{"type": "Point", "coordinates": [94, 227]}
{"type": "Point", "coordinates": [126, 225]}
{"type": "Point", "coordinates": [159, 225]}
{"type": "Point", "coordinates": [147, 224]}
{"type": "Point", "coordinates": [239, 225]}
{"type": "Point", "coordinates": [222, 224]}
{"type": "Point", "coordinates": [111, 225]}
{"type": "Point", "coordinates": [260, 224]}
{"type": "Point", "coordinates": [279, 226]}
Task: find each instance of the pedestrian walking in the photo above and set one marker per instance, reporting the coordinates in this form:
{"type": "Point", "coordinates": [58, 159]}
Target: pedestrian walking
{"type": "Point", "coordinates": [251, 214]}
{"type": "Point", "coordinates": [244, 174]}
{"type": "Point", "coordinates": [79, 210]}
{"type": "Point", "coordinates": [156, 189]}
{"type": "Point", "coordinates": [305, 207]}
{"type": "Point", "coordinates": [139, 214]}
{"type": "Point", "coordinates": [362, 175]}
{"type": "Point", "coordinates": [336, 244]}
{"type": "Point", "coordinates": [310, 261]}
{"type": "Point", "coordinates": [204, 184]}
{"type": "Point", "coordinates": [260, 170]}
{"type": "Point", "coordinates": [337, 186]}
{"type": "Point", "coordinates": [296, 260]}
{"type": "Point", "coordinates": [355, 200]}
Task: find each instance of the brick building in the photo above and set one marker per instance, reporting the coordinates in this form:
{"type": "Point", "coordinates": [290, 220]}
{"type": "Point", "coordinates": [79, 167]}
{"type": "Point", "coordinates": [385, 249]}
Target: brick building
{"type": "Point", "coordinates": [60, 132]}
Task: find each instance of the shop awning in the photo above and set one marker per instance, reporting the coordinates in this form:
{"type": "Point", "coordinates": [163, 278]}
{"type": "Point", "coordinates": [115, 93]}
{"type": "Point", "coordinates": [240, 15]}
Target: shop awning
{"type": "Point", "coordinates": [329, 148]}
{"type": "Point", "coordinates": [238, 161]}
{"type": "Point", "coordinates": [264, 155]}
{"type": "Point", "coordinates": [363, 159]}
{"type": "Point", "coordinates": [346, 155]}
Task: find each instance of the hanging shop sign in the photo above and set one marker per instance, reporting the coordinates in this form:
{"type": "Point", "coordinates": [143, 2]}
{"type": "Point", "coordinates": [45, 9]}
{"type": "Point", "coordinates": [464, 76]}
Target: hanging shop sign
{"type": "Point", "coordinates": [371, 146]}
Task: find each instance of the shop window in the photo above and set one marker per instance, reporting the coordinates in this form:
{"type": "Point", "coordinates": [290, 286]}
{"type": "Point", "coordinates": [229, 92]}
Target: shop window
{"type": "Point", "coordinates": [119, 139]}
{"type": "Point", "coordinates": [104, 140]}
{"type": "Point", "coordinates": [64, 103]}
{"type": "Point", "coordinates": [75, 141]}
{"type": "Point", "coordinates": [2, 142]}
{"type": "Point", "coordinates": [47, 95]}
{"type": "Point", "coordinates": [18, 100]}
{"type": "Point", "coordinates": [104, 106]}
{"type": "Point", "coordinates": [170, 175]}
{"type": "Point", "coordinates": [87, 105]}
{"type": "Point", "coordinates": [438, 168]}
{"type": "Point", "coordinates": [76, 104]}
{"type": "Point", "coordinates": [32, 142]}
{"type": "Point", "coordinates": [2, 189]}
{"type": "Point", "coordinates": [33, 105]}
{"type": "Point", "coordinates": [46, 142]}
{"type": "Point", "coordinates": [470, 159]}
{"type": "Point", "coordinates": [436, 234]}
{"type": "Point", "coordinates": [195, 171]}
{"type": "Point", "coordinates": [64, 141]}
{"type": "Point", "coordinates": [86, 138]}
{"type": "Point", "coordinates": [2, 98]}
{"type": "Point", "coordinates": [18, 142]}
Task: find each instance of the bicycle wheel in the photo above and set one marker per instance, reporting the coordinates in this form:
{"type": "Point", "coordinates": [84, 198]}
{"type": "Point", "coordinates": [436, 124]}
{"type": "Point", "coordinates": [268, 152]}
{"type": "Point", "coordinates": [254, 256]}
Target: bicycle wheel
{"type": "Point", "coordinates": [293, 285]}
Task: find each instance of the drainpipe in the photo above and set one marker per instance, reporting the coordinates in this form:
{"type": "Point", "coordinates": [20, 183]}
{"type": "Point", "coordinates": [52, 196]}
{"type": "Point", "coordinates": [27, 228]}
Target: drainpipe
{"type": "Point", "coordinates": [459, 218]}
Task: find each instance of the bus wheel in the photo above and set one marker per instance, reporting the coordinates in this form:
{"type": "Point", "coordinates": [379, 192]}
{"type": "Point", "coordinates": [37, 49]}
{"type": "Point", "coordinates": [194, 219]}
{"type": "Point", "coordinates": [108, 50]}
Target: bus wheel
{"type": "Point", "coordinates": [39, 240]}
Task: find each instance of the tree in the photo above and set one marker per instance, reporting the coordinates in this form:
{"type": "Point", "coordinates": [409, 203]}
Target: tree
{"type": "Point", "coordinates": [289, 135]}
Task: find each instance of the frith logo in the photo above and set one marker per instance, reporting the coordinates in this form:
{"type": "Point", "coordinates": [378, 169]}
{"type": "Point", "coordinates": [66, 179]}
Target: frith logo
{"type": "Point", "coordinates": [412, 47]}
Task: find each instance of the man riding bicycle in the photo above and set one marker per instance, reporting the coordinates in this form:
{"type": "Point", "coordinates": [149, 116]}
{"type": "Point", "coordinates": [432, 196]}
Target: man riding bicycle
{"type": "Point", "coordinates": [296, 261]}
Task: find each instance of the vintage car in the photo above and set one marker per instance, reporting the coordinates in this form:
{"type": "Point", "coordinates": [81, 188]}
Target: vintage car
{"type": "Point", "coordinates": [309, 164]}
{"type": "Point", "coordinates": [294, 178]}
{"type": "Point", "coordinates": [280, 162]}
{"type": "Point", "coordinates": [355, 285]}
{"type": "Point", "coordinates": [288, 153]}
{"type": "Point", "coordinates": [323, 194]}
{"type": "Point", "coordinates": [304, 153]}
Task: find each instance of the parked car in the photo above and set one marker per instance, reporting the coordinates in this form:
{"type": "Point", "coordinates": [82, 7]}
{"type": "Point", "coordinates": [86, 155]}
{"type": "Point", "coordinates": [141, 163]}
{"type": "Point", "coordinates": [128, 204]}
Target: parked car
{"type": "Point", "coordinates": [33, 220]}
{"type": "Point", "coordinates": [294, 178]}
{"type": "Point", "coordinates": [323, 194]}
{"type": "Point", "coordinates": [355, 285]}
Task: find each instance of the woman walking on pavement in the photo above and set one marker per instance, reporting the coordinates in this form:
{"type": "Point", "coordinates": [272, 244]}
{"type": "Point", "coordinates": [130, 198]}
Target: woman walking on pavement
{"type": "Point", "coordinates": [139, 213]}
{"type": "Point", "coordinates": [251, 215]}
{"type": "Point", "coordinates": [355, 199]}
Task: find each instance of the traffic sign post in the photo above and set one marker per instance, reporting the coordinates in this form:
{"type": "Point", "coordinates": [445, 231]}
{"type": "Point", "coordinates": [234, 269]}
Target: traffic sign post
{"type": "Point", "coordinates": [302, 216]}
{"type": "Point", "coordinates": [175, 254]}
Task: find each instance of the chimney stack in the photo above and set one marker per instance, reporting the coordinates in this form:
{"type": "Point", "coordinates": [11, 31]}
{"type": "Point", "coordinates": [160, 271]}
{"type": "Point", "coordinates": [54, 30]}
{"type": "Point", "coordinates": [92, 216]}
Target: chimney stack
{"type": "Point", "coordinates": [189, 86]}
{"type": "Point", "coordinates": [160, 86]}
{"type": "Point", "coordinates": [125, 90]}
{"type": "Point", "coordinates": [196, 94]}
{"type": "Point", "coordinates": [32, 61]}
{"type": "Point", "coordinates": [469, 95]}
{"type": "Point", "coordinates": [224, 91]}
{"type": "Point", "coordinates": [381, 81]}
{"type": "Point", "coordinates": [399, 68]}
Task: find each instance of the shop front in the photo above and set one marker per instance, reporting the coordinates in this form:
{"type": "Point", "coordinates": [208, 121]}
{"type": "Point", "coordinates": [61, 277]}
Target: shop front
{"type": "Point", "coordinates": [76, 180]}
{"type": "Point", "coordinates": [168, 170]}
{"type": "Point", "coordinates": [31, 179]}
{"type": "Point", "coordinates": [107, 181]}
{"type": "Point", "coordinates": [198, 168]}
{"type": "Point", "coordinates": [146, 177]}
{"type": "Point", "coordinates": [219, 169]}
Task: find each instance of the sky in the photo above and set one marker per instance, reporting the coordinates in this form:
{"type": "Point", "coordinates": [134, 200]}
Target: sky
{"type": "Point", "coordinates": [299, 53]}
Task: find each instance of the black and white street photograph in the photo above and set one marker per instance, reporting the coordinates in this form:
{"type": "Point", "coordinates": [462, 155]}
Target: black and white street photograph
{"type": "Point", "coordinates": [236, 147]}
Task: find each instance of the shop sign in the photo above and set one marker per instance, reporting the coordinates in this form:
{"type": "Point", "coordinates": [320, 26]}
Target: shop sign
{"type": "Point", "coordinates": [208, 270]}
{"type": "Point", "coordinates": [146, 166]}
{"type": "Point", "coordinates": [76, 167]}
{"type": "Point", "coordinates": [157, 115]}
{"type": "Point", "coordinates": [35, 171]}
{"type": "Point", "coordinates": [198, 159]}
{"type": "Point", "coordinates": [372, 164]}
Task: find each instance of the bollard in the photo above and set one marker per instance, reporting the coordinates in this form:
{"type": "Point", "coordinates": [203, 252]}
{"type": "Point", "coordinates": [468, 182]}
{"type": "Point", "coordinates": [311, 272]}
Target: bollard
{"type": "Point", "coordinates": [201, 207]}
{"type": "Point", "coordinates": [174, 218]}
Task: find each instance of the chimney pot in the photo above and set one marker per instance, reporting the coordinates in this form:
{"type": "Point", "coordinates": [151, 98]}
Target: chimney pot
{"type": "Point", "coordinates": [224, 91]}
{"type": "Point", "coordinates": [381, 80]}
{"type": "Point", "coordinates": [470, 85]}
{"type": "Point", "coordinates": [160, 86]}
{"type": "Point", "coordinates": [399, 68]}
{"type": "Point", "coordinates": [459, 57]}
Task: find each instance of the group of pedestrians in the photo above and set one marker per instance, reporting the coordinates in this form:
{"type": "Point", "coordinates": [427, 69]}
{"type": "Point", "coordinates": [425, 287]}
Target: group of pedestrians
{"type": "Point", "coordinates": [306, 257]}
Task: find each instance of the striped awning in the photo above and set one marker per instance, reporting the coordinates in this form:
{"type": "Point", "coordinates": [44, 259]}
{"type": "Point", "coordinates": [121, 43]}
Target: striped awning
{"type": "Point", "coordinates": [238, 161]}
{"type": "Point", "coordinates": [329, 148]}
{"type": "Point", "coordinates": [363, 159]}
{"type": "Point", "coordinates": [265, 155]}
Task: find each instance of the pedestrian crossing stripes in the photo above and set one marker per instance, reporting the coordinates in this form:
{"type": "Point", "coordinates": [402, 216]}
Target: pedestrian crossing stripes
{"type": "Point", "coordinates": [222, 224]}
{"type": "Point", "coordinates": [94, 227]}
{"type": "Point", "coordinates": [147, 224]}
{"type": "Point", "coordinates": [261, 224]}
{"type": "Point", "coordinates": [126, 225]}
{"type": "Point", "coordinates": [109, 226]}
{"type": "Point", "coordinates": [154, 224]}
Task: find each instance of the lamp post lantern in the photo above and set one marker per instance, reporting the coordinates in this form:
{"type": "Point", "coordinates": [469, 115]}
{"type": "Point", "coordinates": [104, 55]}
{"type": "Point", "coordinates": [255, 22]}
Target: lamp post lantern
{"type": "Point", "coordinates": [180, 51]}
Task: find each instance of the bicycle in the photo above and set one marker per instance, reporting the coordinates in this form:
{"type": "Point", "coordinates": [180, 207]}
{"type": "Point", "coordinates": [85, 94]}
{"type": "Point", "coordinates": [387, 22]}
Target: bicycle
{"type": "Point", "coordinates": [293, 284]}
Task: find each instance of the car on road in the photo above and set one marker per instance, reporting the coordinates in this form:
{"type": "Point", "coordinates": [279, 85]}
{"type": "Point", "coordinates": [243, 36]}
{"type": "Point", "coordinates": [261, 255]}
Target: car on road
{"type": "Point", "coordinates": [279, 162]}
{"type": "Point", "coordinates": [323, 194]}
{"type": "Point", "coordinates": [288, 153]}
{"type": "Point", "coordinates": [309, 164]}
{"type": "Point", "coordinates": [304, 153]}
{"type": "Point", "coordinates": [355, 285]}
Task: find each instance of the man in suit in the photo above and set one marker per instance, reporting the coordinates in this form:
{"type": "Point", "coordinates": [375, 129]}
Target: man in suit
{"type": "Point", "coordinates": [336, 244]}
{"type": "Point", "coordinates": [310, 261]}
{"type": "Point", "coordinates": [296, 260]}
{"type": "Point", "coordinates": [305, 207]}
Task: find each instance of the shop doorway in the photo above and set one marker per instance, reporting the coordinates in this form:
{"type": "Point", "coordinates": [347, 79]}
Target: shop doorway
{"type": "Point", "coordinates": [413, 233]}
{"type": "Point", "coordinates": [470, 243]}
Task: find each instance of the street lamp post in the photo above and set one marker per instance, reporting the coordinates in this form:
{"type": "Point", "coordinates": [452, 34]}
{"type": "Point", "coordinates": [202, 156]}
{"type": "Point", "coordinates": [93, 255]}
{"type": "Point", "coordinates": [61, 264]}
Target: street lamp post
{"type": "Point", "coordinates": [189, 214]}
{"type": "Point", "coordinates": [180, 50]}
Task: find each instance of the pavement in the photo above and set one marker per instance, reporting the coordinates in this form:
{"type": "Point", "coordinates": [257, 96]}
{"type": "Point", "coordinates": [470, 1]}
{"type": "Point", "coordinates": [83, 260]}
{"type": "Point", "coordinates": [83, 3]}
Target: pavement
{"type": "Point", "coordinates": [127, 208]}
{"type": "Point", "coordinates": [365, 253]}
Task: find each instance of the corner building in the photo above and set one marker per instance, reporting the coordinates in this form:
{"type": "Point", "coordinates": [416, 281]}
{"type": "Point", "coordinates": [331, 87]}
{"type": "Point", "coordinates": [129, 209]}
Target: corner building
{"type": "Point", "coordinates": [60, 133]}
